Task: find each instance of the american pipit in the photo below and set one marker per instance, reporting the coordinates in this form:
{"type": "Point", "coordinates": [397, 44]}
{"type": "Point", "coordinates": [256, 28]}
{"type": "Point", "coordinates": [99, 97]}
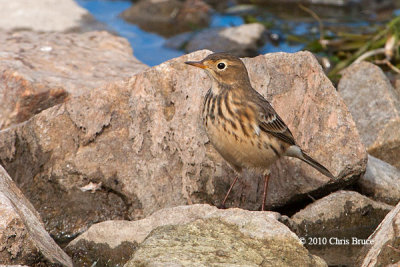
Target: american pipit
{"type": "Point", "coordinates": [241, 124]}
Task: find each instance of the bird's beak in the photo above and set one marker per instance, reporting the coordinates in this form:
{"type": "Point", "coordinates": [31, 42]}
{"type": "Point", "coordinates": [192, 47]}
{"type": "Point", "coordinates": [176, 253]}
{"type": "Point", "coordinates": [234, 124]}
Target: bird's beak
{"type": "Point", "coordinates": [198, 64]}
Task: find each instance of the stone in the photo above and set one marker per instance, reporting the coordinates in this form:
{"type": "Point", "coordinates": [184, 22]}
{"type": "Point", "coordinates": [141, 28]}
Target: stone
{"type": "Point", "coordinates": [243, 40]}
{"type": "Point", "coordinates": [380, 181]}
{"type": "Point", "coordinates": [168, 17]}
{"type": "Point", "coordinates": [45, 16]}
{"type": "Point", "coordinates": [115, 232]}
{"type": "Point", "coordinates": [23, 239]}
{"type": "Point", "coordinates": [192, 235]}
{"type": "Point", "coordinates": [40, 70]}
{"type": "Point", "coordinates": [143, 140]}
{"type": "Point", "coordinates": [335, 226]}
{"type": "Point", "coordinates": [215, 243]}
{"type": "Point", "coordinates": [383, 249]}
{"type": "Point", "coordinates": [180, 41]}
{"type": "Point", "coordinates": [375, 108]}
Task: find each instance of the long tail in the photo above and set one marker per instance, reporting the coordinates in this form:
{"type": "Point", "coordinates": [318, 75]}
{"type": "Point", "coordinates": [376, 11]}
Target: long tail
{"type": "Point", "coordinates": [295, 151]}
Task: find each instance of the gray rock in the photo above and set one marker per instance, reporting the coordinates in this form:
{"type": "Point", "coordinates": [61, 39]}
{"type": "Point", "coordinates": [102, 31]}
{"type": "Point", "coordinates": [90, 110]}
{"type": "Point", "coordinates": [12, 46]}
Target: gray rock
{"type": "Point", "coordinates": [330, 225]}
{"type": "Point", "coordinates": [40, 70]}
{"type": "Point", "coordinates": [215, 243]}
{"type": "Point", "coordinates": [23, 239]}
{"type": "Point", "coordinates": [179, 41]}
{"type": "Point", "coordinates": [168, 17]}
{"type": "Point", "coordinates": [241, 40]}
{"type": "Point", "coordinates": [114, 233]}
{"type": "Point", "coordinates": [142, 145]}
{"type": "Point", "coordinates": [375, 108]}
{"type": "Point", "coordinates": [106, 241]}
{"type": "Point", "coordinates": [383, 249]}
{"type": "Point", "coordinates": [201, 235]}
{"type": "Point", "coordinates": [44, 16]}
{"type": "Point", "coordinates": [381, 181]}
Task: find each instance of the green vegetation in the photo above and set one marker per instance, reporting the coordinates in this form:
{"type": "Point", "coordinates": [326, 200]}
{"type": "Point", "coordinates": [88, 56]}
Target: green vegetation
{"type": "Point", "coordinates": [340, 46]}
{"type": "Point", "coordinates": [381, 46]}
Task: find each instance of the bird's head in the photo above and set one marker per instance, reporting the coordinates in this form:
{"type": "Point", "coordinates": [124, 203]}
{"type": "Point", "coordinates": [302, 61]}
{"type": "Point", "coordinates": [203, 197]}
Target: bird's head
{"type": "Point", "coordinates": [223, 68]}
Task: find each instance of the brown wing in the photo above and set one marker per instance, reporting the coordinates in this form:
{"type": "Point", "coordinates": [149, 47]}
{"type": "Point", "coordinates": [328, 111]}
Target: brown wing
{"type": "Point", "coordinates": [270, 122]}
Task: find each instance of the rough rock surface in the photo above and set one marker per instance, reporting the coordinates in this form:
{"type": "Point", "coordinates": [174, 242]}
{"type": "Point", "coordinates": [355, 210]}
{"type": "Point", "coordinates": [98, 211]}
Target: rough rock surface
{"type": "Point", "coordinates": [114, 233]}
{"type": "Point", "coordinates": [192, 235]}
{"type": "Point", "coordinates": [330, 224]}
{"type": "Point", "coordinates": [381, 181]}
{"type": "Point", "coordinates": [384, 250]}
{"type": "Point", "coordinates": [241, 40]}
{"type": "Point", "coordinates": [23, 239]}
{"type": "Point", "coordinates": [375, 108]}
{"type": "Point", "coordinates": [38, 71]}
{"type": "Point", "coordinates": [123, 237]}
{"type": "Point", "coordinates": [396, 84]}
{"type": "Point", "coordinates": [168, 17]}
{"type": "Point", "coordinates": [45, 16]}
{"type": "Point", "coordinates": [142, 143]}
{"type": "Point", "coordinates": [212, 243]}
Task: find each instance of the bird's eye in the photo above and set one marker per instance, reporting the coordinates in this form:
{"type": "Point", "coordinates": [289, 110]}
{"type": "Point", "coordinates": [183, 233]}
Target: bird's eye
{"type": "Point", "coordinates": [221, 66]}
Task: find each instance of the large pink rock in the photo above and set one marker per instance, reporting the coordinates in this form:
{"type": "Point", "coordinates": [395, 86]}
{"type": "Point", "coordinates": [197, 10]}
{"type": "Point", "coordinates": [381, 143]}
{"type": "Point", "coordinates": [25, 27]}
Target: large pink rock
{"type": "Point", "coordinates": [40, 70]}
{"type": "Point", "coordinates": [304, 97]}
{"type": "Point", "coordinates": [140, 145]}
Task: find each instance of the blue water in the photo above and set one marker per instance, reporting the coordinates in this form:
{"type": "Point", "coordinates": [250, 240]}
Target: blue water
{"type": "Point", "coordinates": [149, 47]}
{"type": "Point", "coordinates": [219, 20]}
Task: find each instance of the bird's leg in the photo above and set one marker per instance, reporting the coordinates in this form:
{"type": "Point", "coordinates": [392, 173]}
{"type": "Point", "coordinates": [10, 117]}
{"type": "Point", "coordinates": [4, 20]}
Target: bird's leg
{"type": "Point", "coordinates": [266, 179]}
{"type": "Point", "coordinates": [229, 191]}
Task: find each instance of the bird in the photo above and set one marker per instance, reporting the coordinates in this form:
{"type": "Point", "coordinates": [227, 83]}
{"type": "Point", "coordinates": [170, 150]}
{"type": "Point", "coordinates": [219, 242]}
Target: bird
{"type": "Point", "coordinates": [242, 125]}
